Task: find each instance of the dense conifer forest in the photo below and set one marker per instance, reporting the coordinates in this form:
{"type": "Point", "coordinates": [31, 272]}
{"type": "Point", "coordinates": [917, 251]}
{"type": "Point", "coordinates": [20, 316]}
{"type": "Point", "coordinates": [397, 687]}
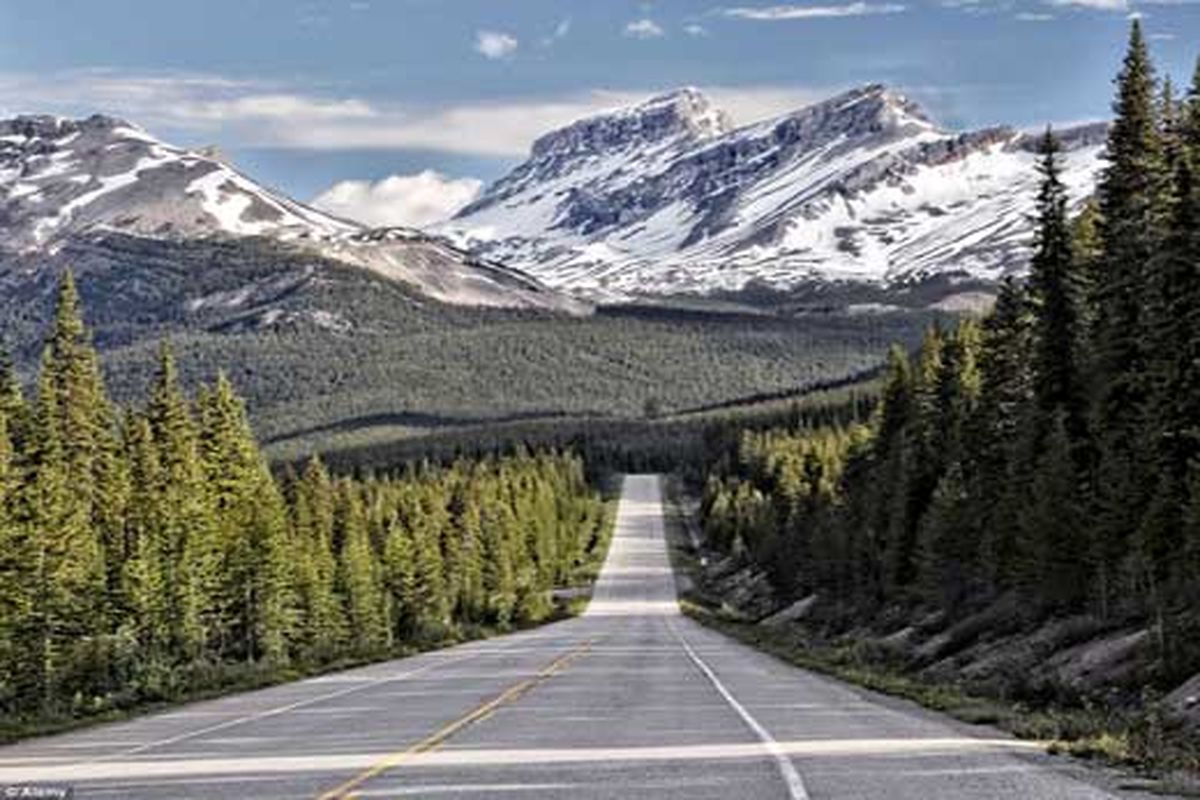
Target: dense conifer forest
{"type": "Point", "coordinates": [399, 365]}
{"type": "Point", "coordinates": [1047, 455]}
{"type": "Point", "coordinates": [149, 554]}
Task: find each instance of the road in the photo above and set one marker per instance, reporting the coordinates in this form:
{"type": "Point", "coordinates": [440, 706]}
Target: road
{"type": "Point", "coordinates": [630, 700]}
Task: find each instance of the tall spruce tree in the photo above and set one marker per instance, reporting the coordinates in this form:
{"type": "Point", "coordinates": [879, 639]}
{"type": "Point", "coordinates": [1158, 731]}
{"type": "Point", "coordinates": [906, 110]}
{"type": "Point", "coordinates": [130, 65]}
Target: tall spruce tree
{"type": "Point", "coordinates": [1055, 295]}
{"type": "Point", "coordinates": [72, 484]}
{"type": "Point", "coordinates": [191, 549]}
{"type": "Point", "coordinates": [1173, 332]}
{"type": "Point", "coordinates": [255, 599]}
{"type": "Point", "coordinates": [360, 579]}
{"type": "Point", "coordinates": [321, 615]}
{"type": "Point", "coordinates": [1133, 198]}
{"type": "Point", "coordinates": [921, 463]}
{"type": "Point", "coordinates": [149, 567]}
{"type": "Point", "coordinates": [17, 571]}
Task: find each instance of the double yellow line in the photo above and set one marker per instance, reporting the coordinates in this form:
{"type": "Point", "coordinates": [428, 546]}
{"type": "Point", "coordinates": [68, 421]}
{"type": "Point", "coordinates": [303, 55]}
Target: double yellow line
{"type": "Point", "coordinates": [509, 695]}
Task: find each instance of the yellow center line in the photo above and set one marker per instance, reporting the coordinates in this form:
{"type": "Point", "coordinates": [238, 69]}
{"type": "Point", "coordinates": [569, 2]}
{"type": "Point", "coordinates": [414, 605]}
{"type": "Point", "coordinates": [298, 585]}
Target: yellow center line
{"type": "Point", "coordinates": [509, 695]}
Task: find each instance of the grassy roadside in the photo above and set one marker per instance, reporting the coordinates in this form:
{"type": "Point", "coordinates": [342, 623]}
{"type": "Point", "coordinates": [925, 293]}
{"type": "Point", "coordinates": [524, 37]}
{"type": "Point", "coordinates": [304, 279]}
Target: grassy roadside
{"type": "Point", "coordinates": [219, 680]}
{"type": "Point", "coordinates": [1164, 759]}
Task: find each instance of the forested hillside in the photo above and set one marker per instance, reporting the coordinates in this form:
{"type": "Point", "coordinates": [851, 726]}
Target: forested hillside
{"type": "Point", "coordinates": [323, 352]}
{"type": "Point", "coordinates": [149, 553]}
{"type": "Point", "coordinates": [1042, 462]}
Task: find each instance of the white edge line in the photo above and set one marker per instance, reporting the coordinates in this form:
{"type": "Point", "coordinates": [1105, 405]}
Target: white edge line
{"type": "Point", "coordinates": [787, 769]}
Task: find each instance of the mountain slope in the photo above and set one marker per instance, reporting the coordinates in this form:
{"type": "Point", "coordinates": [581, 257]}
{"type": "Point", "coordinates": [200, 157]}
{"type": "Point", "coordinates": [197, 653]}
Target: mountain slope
{"type": "Point", "coordinates": [666, 198]}
{"type": "Point", "coordinates": [64, 180]}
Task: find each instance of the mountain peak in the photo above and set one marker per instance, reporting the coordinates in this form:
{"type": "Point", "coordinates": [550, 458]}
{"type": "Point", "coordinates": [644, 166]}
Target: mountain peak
{"type": "Point", "coordinates": [692, 108]}
{"type": "Point", "coordinates": [869, 109]}
{"type": "Point", "coordinates": [680, 114]}
{"type": "Point", "coordinates": [60, 177]}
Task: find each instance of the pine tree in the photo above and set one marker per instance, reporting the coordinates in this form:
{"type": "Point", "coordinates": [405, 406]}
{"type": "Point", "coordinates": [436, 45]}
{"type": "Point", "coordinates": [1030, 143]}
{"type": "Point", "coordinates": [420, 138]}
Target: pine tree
{"type": "Point", "coordinates": [499, 576]}
{"type": "Point", "coordinates": [400, 577]}
{"type": "Point", "coordinates": [359, 578]}
{"type": "Point", "coordinates": [958, 387]}
{"type": "Point", "coordinates": [255, 600]}
{"type": "Point", "coordinates": [998, 479]}
{"type": "Point", "coordinates": [71, 454]}
{"type": "Point", "coordinates": [148, 571]}
{"type": "Point", "coordinates": [429, 602]}
{"type": "Point", "coordinates": [467, 525]}
{"type": "Point", "coordinates": [1054, 527]}
{"type": "Point", "coordinates": [1173, 417]}
{"type": "Point", "coordinates": [922, 461]}
{"type": "Point", "coordinates": [322, 622]}
{"type": "Point", "coordinates": [188, 531]}
{"type": "Point", "coordinates": [1133, 195]}
{"type": "Point", "coordinates": [1054, 291]}
{"type": "Point", "coordinates": [948, 549]}
{"type": "Point", "coordinates": [890, 458]}
{"type": "Point", "coordinates": [17, 570]}
{"type": "Point", "coordinates": [12, 402]}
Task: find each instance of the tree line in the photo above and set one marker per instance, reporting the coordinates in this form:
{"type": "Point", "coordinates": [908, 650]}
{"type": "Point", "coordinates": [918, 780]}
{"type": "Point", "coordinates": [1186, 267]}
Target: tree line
{"type": "Point", "coordinates": [1048, 452]}
{"type": "Point", "coordinates": [148, 553]}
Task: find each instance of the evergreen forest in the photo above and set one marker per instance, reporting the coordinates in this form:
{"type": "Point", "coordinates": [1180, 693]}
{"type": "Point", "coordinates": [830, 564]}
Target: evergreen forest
{"type": "Point", "coordinates": [150, 554]}
{"type": "Point", "coordinates": [1045, 458]}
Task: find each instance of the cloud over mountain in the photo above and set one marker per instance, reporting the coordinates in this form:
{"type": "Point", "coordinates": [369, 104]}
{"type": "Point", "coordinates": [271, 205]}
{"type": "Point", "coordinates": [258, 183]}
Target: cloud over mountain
{"type": "Point", "coordinates": [406, 200]}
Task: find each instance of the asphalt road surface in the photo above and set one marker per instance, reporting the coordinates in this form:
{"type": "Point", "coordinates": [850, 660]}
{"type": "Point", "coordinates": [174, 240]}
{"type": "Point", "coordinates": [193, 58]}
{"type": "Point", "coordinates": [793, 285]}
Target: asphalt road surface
{"type": "Point", "coordinates": [631, 700]}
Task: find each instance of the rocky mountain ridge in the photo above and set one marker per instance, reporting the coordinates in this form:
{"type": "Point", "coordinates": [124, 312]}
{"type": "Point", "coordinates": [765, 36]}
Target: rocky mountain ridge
{"type": "Point", "coordinates": [667, 197]}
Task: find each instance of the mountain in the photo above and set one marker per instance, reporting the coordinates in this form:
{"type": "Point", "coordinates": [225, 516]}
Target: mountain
{"type": "Point", "coordinates": [64, 182]}
{"type": "Point", "coordinates": [667, 197]}
{"type": "Point", "coordinates": [331, 331]}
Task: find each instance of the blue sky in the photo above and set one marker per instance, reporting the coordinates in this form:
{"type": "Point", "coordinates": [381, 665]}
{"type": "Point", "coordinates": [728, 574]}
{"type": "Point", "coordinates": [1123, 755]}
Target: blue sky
{"type": "Point", "coordinates": [304, 94]}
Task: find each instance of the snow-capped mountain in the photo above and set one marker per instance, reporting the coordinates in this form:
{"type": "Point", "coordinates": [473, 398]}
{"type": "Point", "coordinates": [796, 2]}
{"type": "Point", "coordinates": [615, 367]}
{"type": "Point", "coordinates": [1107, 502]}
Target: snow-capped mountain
{"type": "Point", "coordinates": [62, 180]}
{"type": "Point", "coordinates": [667, 197]}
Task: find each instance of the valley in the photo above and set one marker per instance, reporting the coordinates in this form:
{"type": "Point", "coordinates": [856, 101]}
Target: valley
{"type": "Point", "coordinates": [590, 437]}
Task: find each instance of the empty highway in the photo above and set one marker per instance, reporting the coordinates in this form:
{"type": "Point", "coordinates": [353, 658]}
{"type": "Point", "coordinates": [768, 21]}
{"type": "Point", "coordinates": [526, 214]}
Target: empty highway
{"type": "Point", "coordinates": [631, 700]}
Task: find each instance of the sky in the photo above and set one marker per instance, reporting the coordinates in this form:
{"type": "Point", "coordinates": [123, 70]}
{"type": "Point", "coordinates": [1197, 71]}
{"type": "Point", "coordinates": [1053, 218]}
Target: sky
{"type": "Point", "coordinates": [402, 110]}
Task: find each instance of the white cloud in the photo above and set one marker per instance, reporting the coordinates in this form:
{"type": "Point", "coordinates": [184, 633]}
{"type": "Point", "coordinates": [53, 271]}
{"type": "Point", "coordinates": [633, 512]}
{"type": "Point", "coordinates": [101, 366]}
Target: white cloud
{"type": "Point", "coordinates": [1161, 37]}
{"type": "Point", "coordinates": [276, 106]}
{"type": "Point", "coordinates": [202, 109]}
{"type": "Point", "coordinates": [1101, 5]}
{"type": "Point", "coordinates": [644, 29]}
{"type": "Point", "coordinates": [1120, 5]}
{"type": "Point", "coordinates": [789, 12]}
{"type": "Point", "coordinates": [495, 44]}
{"type": "Point", "coordinates": [1033, 16]}
{"type": "Point", "coordinates": [695, 29]}
{"type": "Point", "coordinates": [409, 200]}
